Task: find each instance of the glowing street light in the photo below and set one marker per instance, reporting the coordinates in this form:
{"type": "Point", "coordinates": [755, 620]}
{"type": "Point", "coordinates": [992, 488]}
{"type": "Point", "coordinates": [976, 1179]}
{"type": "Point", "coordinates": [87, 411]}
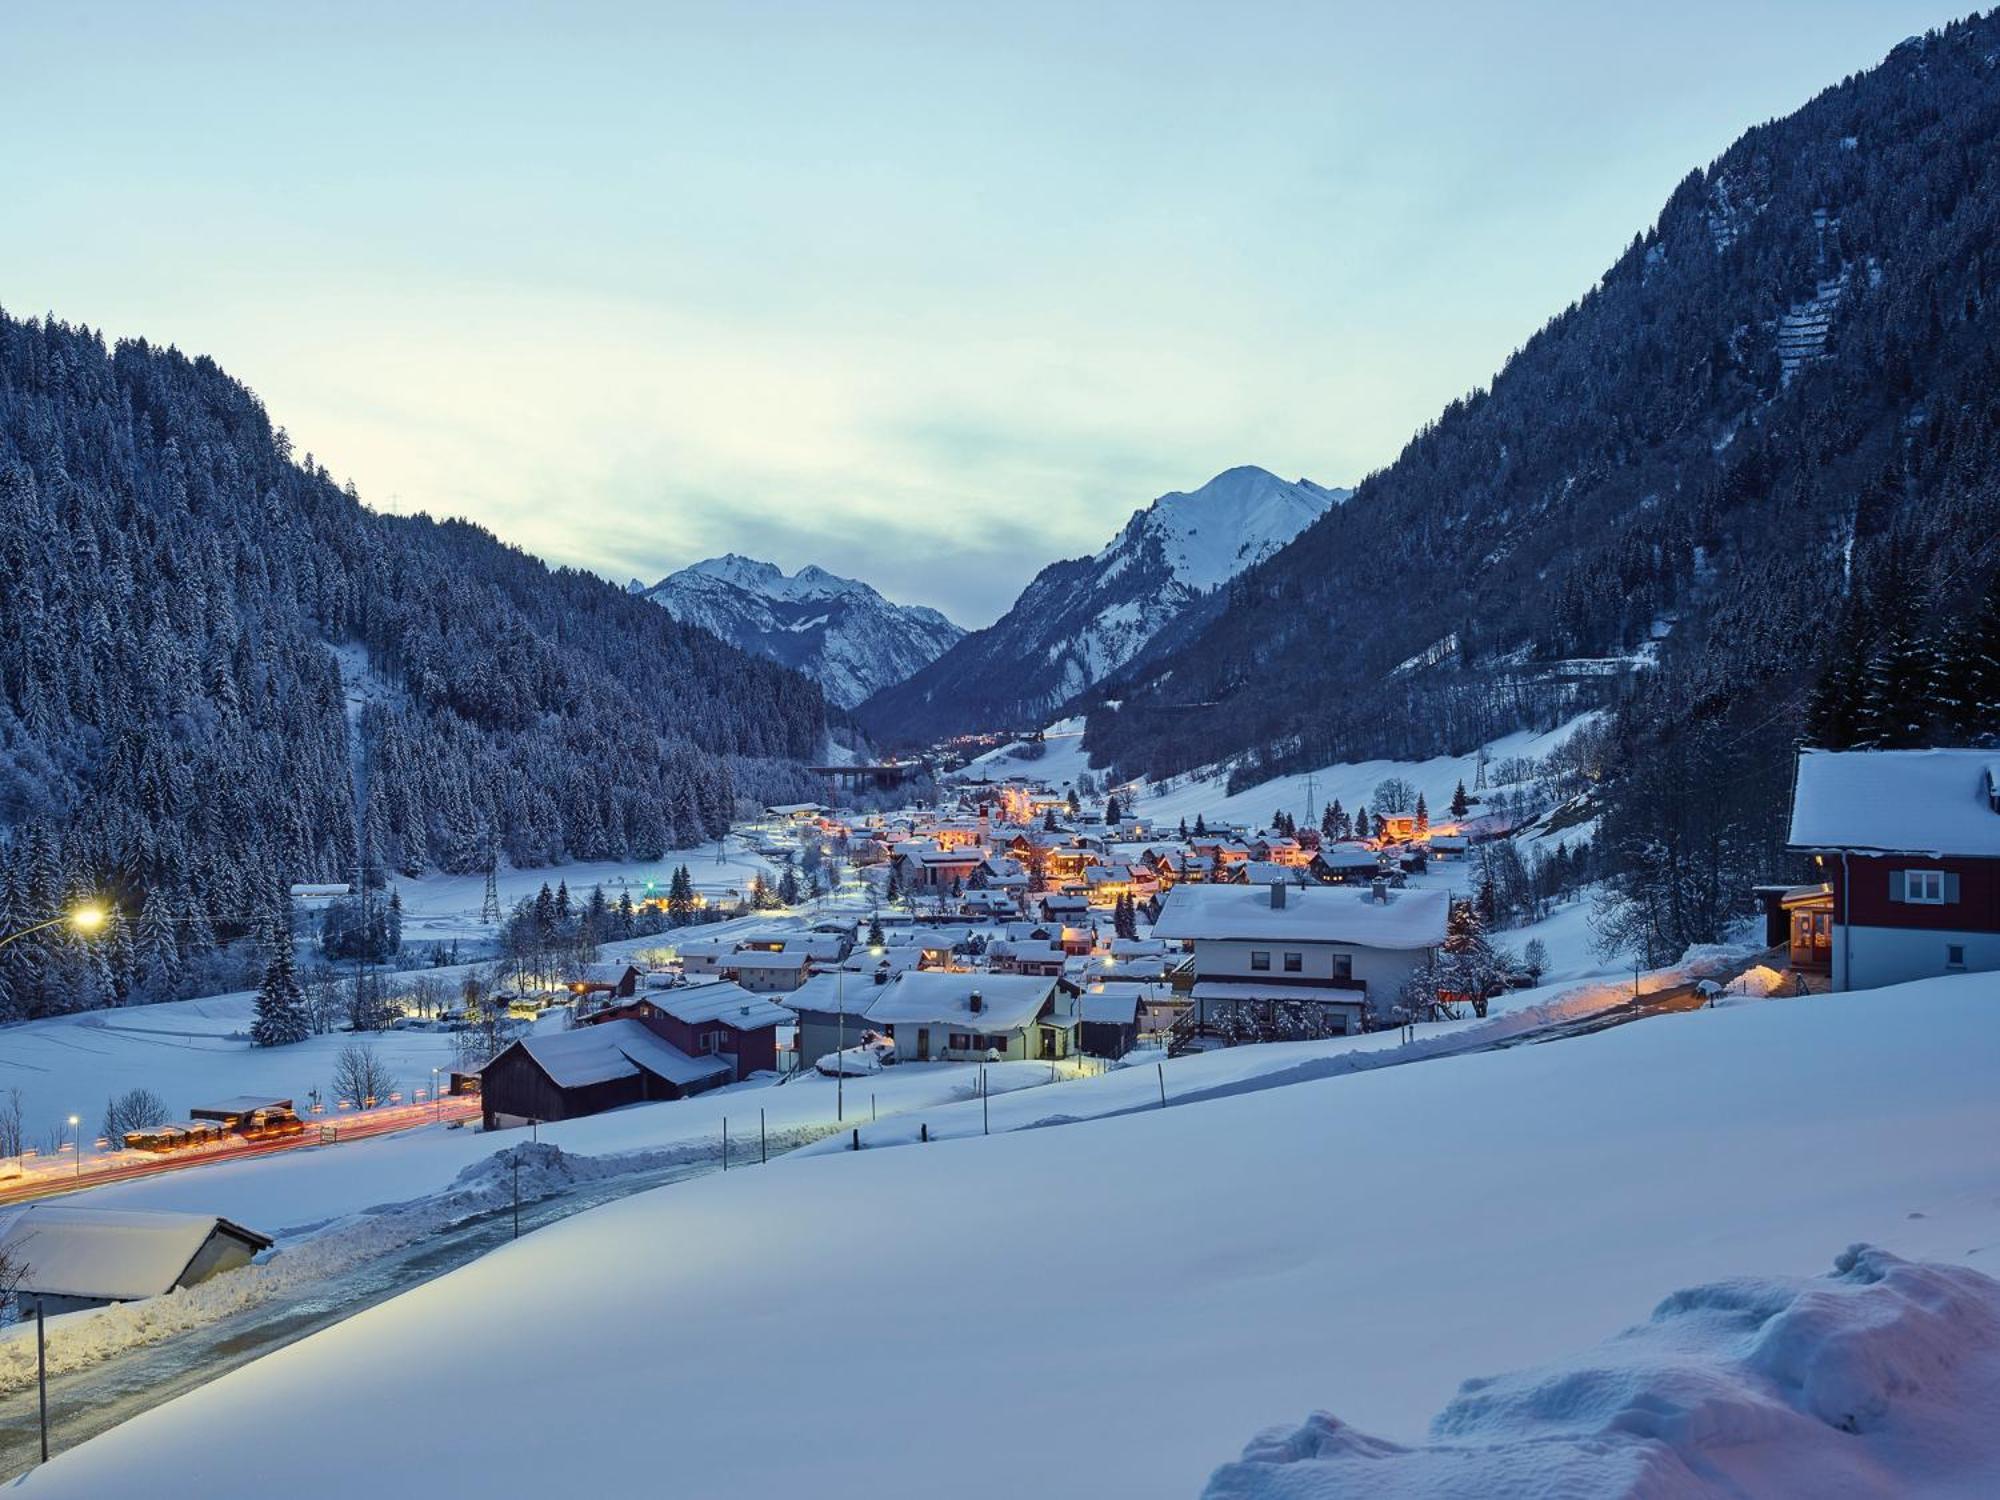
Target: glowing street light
{"type": "Point", "coordinates": [85, 919]}
{"type": "Point", "coordinates": [76, 1130]}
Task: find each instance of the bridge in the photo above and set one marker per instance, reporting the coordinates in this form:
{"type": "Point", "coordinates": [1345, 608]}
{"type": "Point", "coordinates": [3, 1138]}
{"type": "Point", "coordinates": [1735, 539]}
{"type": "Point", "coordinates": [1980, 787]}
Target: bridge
{"type": "Point", "coordinates": [884, 775]}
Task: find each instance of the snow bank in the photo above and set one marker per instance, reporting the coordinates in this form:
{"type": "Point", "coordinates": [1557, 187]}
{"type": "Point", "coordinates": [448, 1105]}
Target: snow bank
{"type": "Point", "coordinates": [1879, 1380]}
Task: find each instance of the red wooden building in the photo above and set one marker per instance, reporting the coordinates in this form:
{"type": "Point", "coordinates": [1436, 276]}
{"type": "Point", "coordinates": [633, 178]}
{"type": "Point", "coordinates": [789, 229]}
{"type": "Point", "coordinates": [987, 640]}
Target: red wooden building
{"type": "Point", "coordinates": [1909, 843]}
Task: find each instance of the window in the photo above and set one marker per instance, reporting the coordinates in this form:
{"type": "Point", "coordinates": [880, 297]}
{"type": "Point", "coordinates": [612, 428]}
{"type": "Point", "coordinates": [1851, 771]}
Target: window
{"type": "Point", "coordinates": [1343, 966]}
{"type": "Point", "coordinates": [1954, 955]}
{"type": "Point", "coordinates": [960, 1042]}
{"type": "Point", "coordinates": [1295, 963]}
{"type": "Point", "coordinates": [711, 1041]}
{"type": "Point", "coordinates": [1925, 887]}
{"type": "Point", "coordinates": [1260, 963]}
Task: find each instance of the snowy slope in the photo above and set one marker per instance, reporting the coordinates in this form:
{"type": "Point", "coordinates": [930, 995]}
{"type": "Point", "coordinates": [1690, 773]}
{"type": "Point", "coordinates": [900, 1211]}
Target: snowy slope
{"type": "Point", "coordinates": [1082, 619]}
{"type": "Point", "coordinates": [1141, 1293]}
{"type": "Point", "coordinates": [838, 631]}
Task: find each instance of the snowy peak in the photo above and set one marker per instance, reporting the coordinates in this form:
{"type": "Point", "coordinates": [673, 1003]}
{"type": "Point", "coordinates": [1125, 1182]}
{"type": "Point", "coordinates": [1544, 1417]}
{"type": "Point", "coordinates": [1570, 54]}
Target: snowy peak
{"type": "Point", "coordinates": [838, 631]}
{"type": "Point", "coordinates": [1083, 619]}
{"type": "Point", "coordinates": [1236, 520]}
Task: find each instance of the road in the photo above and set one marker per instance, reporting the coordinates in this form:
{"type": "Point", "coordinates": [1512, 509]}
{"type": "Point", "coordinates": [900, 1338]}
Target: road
{"type": "Point", "coordinates": [47, 1181]}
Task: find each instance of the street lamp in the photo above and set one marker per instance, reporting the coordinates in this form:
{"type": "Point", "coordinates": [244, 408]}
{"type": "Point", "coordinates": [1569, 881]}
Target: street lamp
{"type": "Point", "coordinates": [76, 1130]}
{"type": "Point", "coordinates": [437, 1100]}
{"type": "Point", "coordinates": [84, 919]}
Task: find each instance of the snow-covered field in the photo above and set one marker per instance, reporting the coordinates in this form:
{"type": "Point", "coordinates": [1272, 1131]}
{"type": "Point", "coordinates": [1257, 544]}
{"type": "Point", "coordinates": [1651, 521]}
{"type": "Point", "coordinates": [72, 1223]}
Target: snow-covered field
{"type": "Point", "coordinates": [1112, 1308]}
{"type": "Point", "coordinates": [438, 908]}
{"type": "Point", "coordinates": [189, 1052]}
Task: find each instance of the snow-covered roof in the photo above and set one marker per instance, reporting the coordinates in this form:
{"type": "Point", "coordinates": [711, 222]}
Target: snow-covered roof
{"type": "Point", "coordinates": [1932, 802]}
{"type": "Point", "coordinates": [832, 992]}
{"type": "Point", "coordinates": [1119, 1007]}
{"type": "Point", "coordinates": [1263, 872]}
{"type": "Point", "coordinates": [730, 1003]}
{"type": "Point", "coordinates": [614, 1049]}
{"type": "Point", "coordinates": [1344, 856]}
{"type": "Point", "coordinates": [119, 1255]}
{"type": "Point", "coordinates": [1008, 1001]}
{"type": "Point", "coordinates": [611, 972]}
{"type": "Point", "coordinates": [238, 1104]}
{"type": "Point", "coordinates": [1311, 914]}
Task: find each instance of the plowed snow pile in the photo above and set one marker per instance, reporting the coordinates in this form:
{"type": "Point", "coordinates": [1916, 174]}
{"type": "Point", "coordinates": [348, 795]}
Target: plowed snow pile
{"type": "Point", "coordinates": [1879, 1380]}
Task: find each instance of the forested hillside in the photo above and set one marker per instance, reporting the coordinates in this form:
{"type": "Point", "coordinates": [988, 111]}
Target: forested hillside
{"type": "Point", "coordinates": [206, 647]}
{"type": "Point", "coordinates": [1771, 434]}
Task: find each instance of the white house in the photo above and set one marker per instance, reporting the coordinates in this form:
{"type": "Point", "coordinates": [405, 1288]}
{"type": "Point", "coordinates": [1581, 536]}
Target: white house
{"type": "Point", "coordinates": [1344, 949]}
{"type": "Point", "coordinates": [937, 1015]}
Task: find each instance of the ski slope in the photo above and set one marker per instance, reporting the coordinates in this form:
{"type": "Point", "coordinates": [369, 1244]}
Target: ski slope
{"type": "Point", "coordinates": [1358, 1244]}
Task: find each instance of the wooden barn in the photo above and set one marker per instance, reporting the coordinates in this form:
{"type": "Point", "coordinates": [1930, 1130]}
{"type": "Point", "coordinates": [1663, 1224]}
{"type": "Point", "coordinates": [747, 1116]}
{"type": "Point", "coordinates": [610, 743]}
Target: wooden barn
{"type": "Point", "coordinates": [562, 1075]}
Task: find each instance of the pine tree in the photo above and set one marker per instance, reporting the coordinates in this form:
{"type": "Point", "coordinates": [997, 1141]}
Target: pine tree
{"type": "Point", "coordinates": [1114, 814]}
{"type": "Point", "coordinates": [1460, 803]}
{"type": "Point", "coordinates": [1362, 827]}
{"type": "Point", "coordinates": [281, 1002]}
{"type": "Point", "coordinates": [788, 887]}
{"type": "Point", "coordinates": [680, 897]}
{"type": "Point", "coordinates": [1423, 816]}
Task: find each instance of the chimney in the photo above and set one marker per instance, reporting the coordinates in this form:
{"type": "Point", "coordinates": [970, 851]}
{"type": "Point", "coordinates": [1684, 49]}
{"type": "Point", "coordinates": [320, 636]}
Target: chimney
{"type": "Point", "coordinates": [1277, 895]}
{"type": "Point", "coordinates": [1378, 888]}
{"type": "Point", "coordinates": [978, 1002]}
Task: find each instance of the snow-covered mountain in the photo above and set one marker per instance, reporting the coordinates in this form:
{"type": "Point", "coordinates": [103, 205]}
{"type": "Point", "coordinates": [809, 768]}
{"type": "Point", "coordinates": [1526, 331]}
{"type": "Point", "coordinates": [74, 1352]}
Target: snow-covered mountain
{"type": "Point", "coordinates": [838, 631]}
{"type": "Point", "coordinates": [1082, 619]}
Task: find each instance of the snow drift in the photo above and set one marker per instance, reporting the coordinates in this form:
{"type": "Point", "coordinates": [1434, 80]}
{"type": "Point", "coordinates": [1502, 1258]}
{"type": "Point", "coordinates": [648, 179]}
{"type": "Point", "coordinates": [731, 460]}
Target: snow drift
{"type": "Point", "coordinates": [1880, 1379]}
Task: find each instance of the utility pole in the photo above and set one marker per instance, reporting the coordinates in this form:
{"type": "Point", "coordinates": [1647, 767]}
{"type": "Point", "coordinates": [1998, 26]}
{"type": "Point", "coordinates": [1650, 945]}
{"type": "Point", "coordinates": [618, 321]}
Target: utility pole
{"type": "Point", "coordinates": [840, 1046]}
{"type": "Point", "coordinates": [42, 1374]}
{"type": "Point", "coordinates": [1312, 785]}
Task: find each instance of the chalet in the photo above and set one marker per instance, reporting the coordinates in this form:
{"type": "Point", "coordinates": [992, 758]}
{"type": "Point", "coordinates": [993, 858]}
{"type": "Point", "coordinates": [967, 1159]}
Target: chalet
{"type": "Point", "coordinates": [1057, 907]}
{"type": "Point", "coordinates": [922, 866]}
{"type": "Point", "coordinates": [1264, 873]}
{"type": "Point", "coordinates": [704, 956]}
{"type": "Point", "coordinates": [1338, 950]}
{"type": "Point", "coordinates": [936, 1016]}
{"type": "Point", "coordinates": [1279, 849]}
{"type": "Point", "coordinates": [1449, 845]}
{"type": "Point", "coordinates": [73, 1258]}
{"type": "Point", "coordinates": [988, 903]}
{"type": "Point", "coordinates": [1042, 958]}
{"type": "Point", "coordinates": [765, 973]}
{"type": "Point", "coordinates": [1108, 1023]}
{"type": "Point", "coordinates": [1345, 863]}
{"type": "Point", "coordinates": [1909, 841]}
{"type": "Point", "coordinates": [831, 1012]}
{"type": "Point", "coordinates": [562, 1075]}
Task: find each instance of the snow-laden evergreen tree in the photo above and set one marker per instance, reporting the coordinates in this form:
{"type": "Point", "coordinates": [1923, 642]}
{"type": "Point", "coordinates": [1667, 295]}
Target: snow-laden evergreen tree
{"type": "Point", "coordinates": [281, 1002]}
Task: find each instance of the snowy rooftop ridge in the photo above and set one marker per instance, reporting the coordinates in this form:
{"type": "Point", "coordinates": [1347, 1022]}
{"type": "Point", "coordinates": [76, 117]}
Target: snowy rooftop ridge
{"type": "Point", "coordinates": [121, 1255]}
{"type": "Point", "coordinates": [1931, 802]}
{"type": "Point", "coordinates": [1326, 914]}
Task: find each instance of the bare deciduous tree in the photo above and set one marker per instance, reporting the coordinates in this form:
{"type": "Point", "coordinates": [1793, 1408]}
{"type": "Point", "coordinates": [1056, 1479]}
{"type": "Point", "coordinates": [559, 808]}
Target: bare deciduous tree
{"type": "Point", "coordinates": [13, 1133]}
{"type": "Point", "coordinates": [361, 1076]}
{"type": "Point", "coordinates": [135, 1109]}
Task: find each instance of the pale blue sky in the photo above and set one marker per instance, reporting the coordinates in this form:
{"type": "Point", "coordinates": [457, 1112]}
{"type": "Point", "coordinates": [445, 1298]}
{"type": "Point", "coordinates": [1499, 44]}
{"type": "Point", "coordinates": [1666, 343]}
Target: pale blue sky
{"type": "Point", "coordinates": [928, 293]}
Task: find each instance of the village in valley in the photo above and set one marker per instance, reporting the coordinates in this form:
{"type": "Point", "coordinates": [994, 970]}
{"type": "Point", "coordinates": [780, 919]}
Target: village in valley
{"type": "Point", "coordinates": [812, 881]}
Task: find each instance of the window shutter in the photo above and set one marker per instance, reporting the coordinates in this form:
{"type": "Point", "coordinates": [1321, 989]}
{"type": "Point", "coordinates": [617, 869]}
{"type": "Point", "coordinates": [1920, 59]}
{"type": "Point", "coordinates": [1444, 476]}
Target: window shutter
{"type": "Point", "coordinates": [1895, 885]}
{"type": "Point", "coordinates": [1950, 887]}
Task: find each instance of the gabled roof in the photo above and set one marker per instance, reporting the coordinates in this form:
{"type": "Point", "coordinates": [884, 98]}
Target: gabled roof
{"type": "Point", "coordinates": [609, 1050]}
{"type": "Point", "coordinates": [729, 1003]}
{"type": "Point", "coordinates": [118, 1255]}
{"type": "Point", "coordinates": [1311, 914]}
{"type": "Point", "coordinates": [1931, 802]}
{"type": "Point", "coordinates": [1008, 1001]}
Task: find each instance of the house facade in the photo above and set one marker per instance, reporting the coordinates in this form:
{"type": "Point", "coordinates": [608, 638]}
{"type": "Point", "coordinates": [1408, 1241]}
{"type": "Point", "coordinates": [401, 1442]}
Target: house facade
{"type": "Point", "coordinates": [1341, 950]}
{"type": "Point", "coordinates": [937, 1016]}
{"type": "Point", "coordinates": [1908, 842]}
